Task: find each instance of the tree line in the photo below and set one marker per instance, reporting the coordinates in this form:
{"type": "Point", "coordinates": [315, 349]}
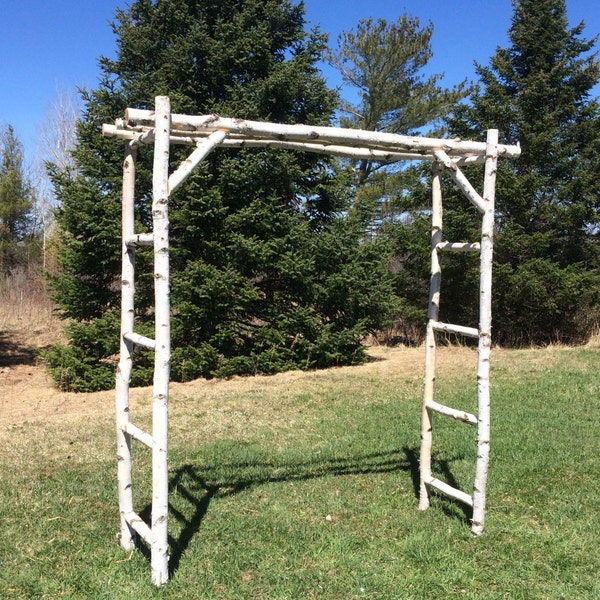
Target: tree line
{"type": "Point", "coordinates": [288, 260]}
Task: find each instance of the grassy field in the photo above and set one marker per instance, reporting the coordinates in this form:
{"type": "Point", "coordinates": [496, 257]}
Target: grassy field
{"type": "Point", "coordinates": [304, 485]}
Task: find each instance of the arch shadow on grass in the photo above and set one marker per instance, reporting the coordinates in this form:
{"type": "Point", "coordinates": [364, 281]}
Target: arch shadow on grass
{"type": "Point", "coordinates": [192, 487]}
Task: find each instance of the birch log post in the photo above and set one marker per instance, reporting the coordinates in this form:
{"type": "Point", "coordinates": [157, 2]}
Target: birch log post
{"type": "Point", "coordinates": [485, 334]}
{"type": "Point", "coordinates": [124, 483]}
{"type": "Point", "coordinates": [160, 401]}
{"type": "Point", "coordinates": [430, 340]}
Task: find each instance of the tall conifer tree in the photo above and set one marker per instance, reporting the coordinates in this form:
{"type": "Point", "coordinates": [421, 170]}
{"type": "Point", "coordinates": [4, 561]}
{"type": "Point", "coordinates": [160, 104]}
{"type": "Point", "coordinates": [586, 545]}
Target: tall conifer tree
{"type": "Point", "coordinates": [384, 71]}
{"type": "Point", "coordinates": [537, 92]}
{"type": "Point", "coordinates": [17, 223]}
{"type": "Point", "coordinates": [265, 273]}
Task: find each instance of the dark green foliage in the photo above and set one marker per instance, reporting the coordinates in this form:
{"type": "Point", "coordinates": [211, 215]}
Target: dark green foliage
{"type": "Point", "coordinates": [384, 62]}
{"type": "Point", "coordinates": [564, 301]}
{"type": "Point", "coordinates": [266, 273]}
{"type": "Point", "coordinates": [537, 93]}
{"type": "Point", "coordinates": [18, 235]}
{"type": "Point", "coordinates": [410, 264]}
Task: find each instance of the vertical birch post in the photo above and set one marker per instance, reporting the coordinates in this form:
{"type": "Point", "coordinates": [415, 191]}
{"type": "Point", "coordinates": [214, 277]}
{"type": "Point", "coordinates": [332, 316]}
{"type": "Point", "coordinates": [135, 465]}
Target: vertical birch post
{"type": "Point", "coordinates": [485, 334]}
{"type": "Point", "coordinates": [160, 400]}
{"type": "Point", "coordinates": [123, 377]}
{"type": "Point", "coordinates": [430, 341]}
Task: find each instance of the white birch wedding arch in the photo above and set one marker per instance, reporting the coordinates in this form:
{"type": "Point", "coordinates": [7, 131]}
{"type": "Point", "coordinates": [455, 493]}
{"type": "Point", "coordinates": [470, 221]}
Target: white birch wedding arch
{"type": "Point", "coordinates": [161, 128]}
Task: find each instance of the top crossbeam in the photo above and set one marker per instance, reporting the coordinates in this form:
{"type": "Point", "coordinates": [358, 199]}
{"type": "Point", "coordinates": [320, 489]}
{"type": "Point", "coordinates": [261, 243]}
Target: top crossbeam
{"type": "Point", "coordinates": [138, 126]}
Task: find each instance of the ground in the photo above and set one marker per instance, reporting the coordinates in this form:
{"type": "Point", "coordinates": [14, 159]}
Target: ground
{"type": "Point", "coordinates": [29, 395]}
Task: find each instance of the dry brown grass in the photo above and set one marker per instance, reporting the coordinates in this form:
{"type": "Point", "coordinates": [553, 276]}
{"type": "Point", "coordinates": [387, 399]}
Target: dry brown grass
{"type": "Point", "coordinates": [27, 314]}
{"type": "Point", "coordinates": [31, 396]}
{"type": "Point", "coordinates": [28, 323]}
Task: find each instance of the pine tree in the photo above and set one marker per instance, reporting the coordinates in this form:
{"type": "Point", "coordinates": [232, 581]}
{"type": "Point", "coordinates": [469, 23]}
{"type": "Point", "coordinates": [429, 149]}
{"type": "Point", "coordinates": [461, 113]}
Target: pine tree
{"type": "Point", "coordinates": [265, 276]}
{"type": "Point", "coordinates": [382, 66]}
{"type": "Point", "coordinates": [537, 92]}
{"type": "Point", "coordinates": [383, 70]}
{"type": "Point", "coordinates": [17, 224]}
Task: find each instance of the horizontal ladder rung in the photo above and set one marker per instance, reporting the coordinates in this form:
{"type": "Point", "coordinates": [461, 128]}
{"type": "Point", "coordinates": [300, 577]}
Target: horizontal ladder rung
{"type": "Point", "coordinates": [450, 491]}
{"type": "Point", "coordinates": [140, 340]}
{"type": "Point", "coordinates": [459, 415]}
{"type": "Point", "coordinates": [459, 246]}
{"type": "Point", "coordinates": [140, 239]}
{"type": "Point", "coordinates": [139, 526]}
{"type": "Point", "coordinates": [459, 329]}
{"type": "Point", "coordinates": [137, 434]}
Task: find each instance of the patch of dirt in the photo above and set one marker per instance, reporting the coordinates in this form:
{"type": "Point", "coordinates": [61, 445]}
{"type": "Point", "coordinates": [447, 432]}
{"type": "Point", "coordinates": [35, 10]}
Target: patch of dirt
{"type": "Point", "coordinates": [29, 394]}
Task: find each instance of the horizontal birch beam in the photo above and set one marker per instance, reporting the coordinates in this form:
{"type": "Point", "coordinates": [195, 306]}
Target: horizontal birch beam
{"type": "Point", "coordinates": [139, 526]}
{"type": "Point", "coordinates": [459, 415]}
{"type": "Point", "coordinates": [139, 135]}
{"type": "Point", "coordinates": [144, 137]}
{"type": "Point", "coordinates": [140, 239]}
{"type": "Point", "coordinates": [450, 491]}
{"type": "Point", "coordinates": [459, 329]}
{"type": "Point", "coordinates": [360, 153]}
{"type": "Point", "coordinates": [138, 434]}
{"type": "Point", "coordinates": [237, 141]}
{"type": "Point", "coordinates": [299, 133]}
{"type": "Point", "coordinates": [458, 247]}
{"type": "Point", "coordinates": [140, 340]}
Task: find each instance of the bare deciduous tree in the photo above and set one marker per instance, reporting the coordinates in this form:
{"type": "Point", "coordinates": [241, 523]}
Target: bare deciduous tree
{"type": "Point", "coordinates": [54, 145]}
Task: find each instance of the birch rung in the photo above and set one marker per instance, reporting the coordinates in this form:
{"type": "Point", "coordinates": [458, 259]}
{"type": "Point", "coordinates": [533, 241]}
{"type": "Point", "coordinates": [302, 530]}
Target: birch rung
{"type": "Point", "coordinates": [458, 246]}
{"type": "Point", "coordinates": [140, 239]}
{"type": "Point", "coordinates": [139, 526]}
{"type": "Point", "coordinates": [459, 329]}
{"type": "Point", "coordinates": [459, 415]}
{"type": "Point", "coordinates": [138, 434]}
{"type": "Point", "coordinates": [450, 491]}
{"type": "Point", "coordinates": [140, 340]}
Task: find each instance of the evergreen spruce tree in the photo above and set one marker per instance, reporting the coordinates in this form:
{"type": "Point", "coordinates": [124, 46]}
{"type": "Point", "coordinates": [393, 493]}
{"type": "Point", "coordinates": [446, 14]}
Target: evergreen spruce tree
{"type": "Point", "coordinates": [537, 92]}
{"type": "Point", "coordinates": [266, 274]}
{"type": "Point", "coordinates": [18, 240]}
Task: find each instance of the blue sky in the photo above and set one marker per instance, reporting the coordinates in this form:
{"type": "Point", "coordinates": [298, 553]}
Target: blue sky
{"type": "Point", "coordinates": [46, 45]}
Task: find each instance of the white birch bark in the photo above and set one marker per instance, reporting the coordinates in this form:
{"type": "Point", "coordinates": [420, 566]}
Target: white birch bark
{"type": "Point", "coordinates": [309, 133]}
{"type": "Point", "coordinates": [430, 341]}
{"type": "Point", "coordinates": [162, 357]}
{"type": "Point", "coordinates": [485, 337]}
{"type": "Point", "coordinates": [237, 141]}
{"type": "Point", "coordinates": [124, 483]}
{"type": "Point", "coordinates": [459, 415]}
{"type": "Point", "coordinates": [142, 127]}
{"type": "Point", "coordinates": [194, 159]}
{"type": "Point", "coordinates": [460, 179]}
{"type": "Point", "coordinates": [450, 491]}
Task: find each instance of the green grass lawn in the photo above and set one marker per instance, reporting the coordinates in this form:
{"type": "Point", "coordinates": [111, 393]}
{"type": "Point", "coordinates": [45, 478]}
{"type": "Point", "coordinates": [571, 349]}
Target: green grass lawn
{"type": "Point", "coordinates": [304, 485]}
